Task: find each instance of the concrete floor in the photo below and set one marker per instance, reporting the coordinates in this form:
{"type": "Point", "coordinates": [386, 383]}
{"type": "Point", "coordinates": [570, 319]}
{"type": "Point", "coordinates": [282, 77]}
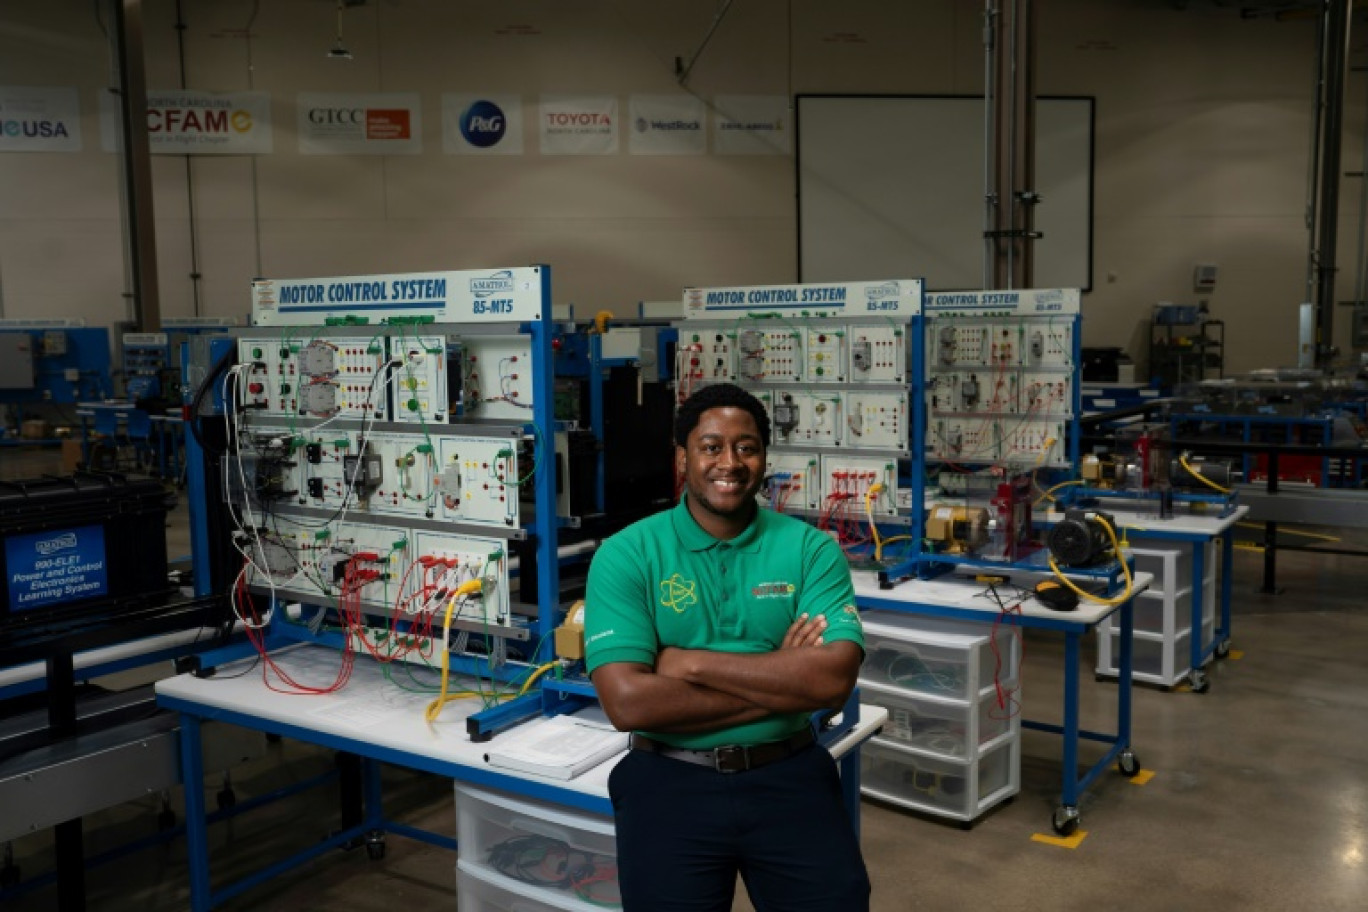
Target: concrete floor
{"type": "Point", "coordinates": [1258, 799]}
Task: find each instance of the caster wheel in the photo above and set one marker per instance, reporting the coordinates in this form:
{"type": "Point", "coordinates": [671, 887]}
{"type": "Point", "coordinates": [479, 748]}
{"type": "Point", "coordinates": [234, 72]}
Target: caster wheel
{"type": "Point", "coordinates": [1198, 681]}
{"type": "Point", "coordinates": [9, 876]}
{"type": "Point", "coordinates": [1065, 820]}
{"type": "Point", "coordinates": [166, 820]}
{"type": "Point", "coordinates": [375, 846]}
{"type": "Point", "coordinates": [227, 799]}
{"type": "Point", "coordinates": [1223, 649]}
{"type": "Point", "coordinates": [1128, 763]}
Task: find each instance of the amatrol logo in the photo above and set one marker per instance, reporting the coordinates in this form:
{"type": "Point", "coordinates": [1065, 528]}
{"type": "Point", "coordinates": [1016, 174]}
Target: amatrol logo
{"type": "Point", "coordinates": [63, 542]}
{"type": "Point", "coordinates": [500, 282]}
{"type": "Point", "coordinates": [34, 129]}
{"type": "Point", "coordinates": [880, 292]}
{"type": "Point", "coordinates": [362, 123]}
{"type": "Point", "coordinates": [483, 124]}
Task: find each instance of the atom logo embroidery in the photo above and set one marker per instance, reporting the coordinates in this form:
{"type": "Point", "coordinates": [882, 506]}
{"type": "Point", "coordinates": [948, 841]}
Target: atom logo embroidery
{"type": "Point", "coordinates": [678, 593]}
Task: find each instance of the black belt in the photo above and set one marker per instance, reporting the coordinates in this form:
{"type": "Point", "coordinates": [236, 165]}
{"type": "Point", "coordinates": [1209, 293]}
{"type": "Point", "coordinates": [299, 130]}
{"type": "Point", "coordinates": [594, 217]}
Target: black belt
{"type": "Point", "coordinates": [730, 758]}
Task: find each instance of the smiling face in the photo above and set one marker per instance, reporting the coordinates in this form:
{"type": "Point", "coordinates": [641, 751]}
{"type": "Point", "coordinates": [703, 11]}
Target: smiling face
{"type": "Point", "coordinates": [723, 465]}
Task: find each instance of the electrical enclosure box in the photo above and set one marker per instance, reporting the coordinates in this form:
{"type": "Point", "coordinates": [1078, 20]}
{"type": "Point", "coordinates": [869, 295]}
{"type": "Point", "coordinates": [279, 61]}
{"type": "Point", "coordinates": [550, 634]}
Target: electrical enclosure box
{"type": "Point", "coordinates": [16, 361]}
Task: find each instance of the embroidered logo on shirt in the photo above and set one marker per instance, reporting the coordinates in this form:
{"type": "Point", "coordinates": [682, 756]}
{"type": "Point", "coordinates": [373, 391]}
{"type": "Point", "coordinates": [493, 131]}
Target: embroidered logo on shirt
{"type": "Point", "coordinates": [848, 615]}
{"type": "Point", "coordinates": [678, 593]}
{"type": "Point", "coordinates": [772, 590]}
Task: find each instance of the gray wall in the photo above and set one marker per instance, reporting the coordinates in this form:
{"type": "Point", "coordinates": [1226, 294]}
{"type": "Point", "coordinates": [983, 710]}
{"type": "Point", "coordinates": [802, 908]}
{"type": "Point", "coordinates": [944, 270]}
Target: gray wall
{"type": "Point", "coordinates": [1202, 141]}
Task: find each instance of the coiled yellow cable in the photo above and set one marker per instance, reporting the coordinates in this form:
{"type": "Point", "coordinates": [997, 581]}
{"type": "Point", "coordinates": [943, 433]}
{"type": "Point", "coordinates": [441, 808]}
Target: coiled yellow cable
{"type": "Point", "coordinates": [1125, 570]}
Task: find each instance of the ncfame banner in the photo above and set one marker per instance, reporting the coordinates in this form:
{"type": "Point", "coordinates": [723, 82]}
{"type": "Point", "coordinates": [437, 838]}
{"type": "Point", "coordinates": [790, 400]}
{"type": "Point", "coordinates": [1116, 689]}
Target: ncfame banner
{"type": "Point", "coordinates": [39, 119]}
{"type": "Point", "coordinates": [482, 124]}
{"type": "Point", "coordinates": [578, 124]}
{"type": "Point", "coordinates": [666, 125]}
{"type": "Point", "coordinates": [189, 122]}
{"type": "Point", "coordinates": [752, 125]}
{"type": "Point", "coordinates": [388, 123]}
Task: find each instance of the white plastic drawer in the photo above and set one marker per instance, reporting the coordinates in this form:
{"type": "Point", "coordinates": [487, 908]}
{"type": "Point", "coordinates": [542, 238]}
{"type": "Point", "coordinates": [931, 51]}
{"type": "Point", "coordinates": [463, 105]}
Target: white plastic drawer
{"type": "Point", "coordinates": [478, 890]}
{"type": "Point", "coordinates": [920, 667]}
{"type": "Point", "coordinates": [1171, 567]}
{"type": "Point", "coordinates": [549, 846]}
{"type": "Point", "coordinates": [938, 787]}
{"type": "Point", "coordinates": [936, 727]}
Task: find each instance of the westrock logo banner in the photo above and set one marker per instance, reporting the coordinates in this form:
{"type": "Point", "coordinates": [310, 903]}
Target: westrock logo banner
{"type": "Point", "coordinates": [39, 119]}
{"type": "Point", "coordinates": [388, 123]}
{"type": "Point", "coordinates": [578, 124]}
{"type": "Point", "coordinates": [666, 125]}
{"type": "Point", "coordinates": [482, 124]}
{"type": "Point", "coordinates": [752, 125]}
{"type": "Point", "coordinates": [187, 122]}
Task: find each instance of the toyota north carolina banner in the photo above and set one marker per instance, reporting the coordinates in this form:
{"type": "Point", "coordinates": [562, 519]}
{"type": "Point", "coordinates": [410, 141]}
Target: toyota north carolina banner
{"type": "Point", "coordinates": [187, 122]}
{"type": "Point", "coordinates": [578, 124]}
{"type": "Point", "coordinates": [752, 125]}
{"type": "Point", "coordinates": [666, 125]}
{"type": "Point", "coordinates": [482, 124]}
{"type": "Point", "coordinates": [387, 123]}
{"type": "Point", "coordinates": [36, 119]}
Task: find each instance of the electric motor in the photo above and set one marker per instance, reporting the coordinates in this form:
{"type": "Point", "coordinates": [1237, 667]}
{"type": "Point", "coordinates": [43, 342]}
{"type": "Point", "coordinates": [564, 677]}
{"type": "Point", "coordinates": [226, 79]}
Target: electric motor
{"type": "Point", "coordinates": [1218, 472]}
{"type": "Point", "coordinates": [1080, 539]}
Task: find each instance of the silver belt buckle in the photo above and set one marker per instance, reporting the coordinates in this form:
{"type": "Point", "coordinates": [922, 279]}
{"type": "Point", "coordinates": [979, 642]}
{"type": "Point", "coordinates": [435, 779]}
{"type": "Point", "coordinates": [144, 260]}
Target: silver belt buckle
{"type": "Point", "coordinates": [725, 754]}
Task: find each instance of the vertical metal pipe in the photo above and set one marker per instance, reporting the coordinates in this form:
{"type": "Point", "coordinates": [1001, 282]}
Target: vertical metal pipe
{"type": "Point", "coordinates": [990, 189]}
{"type": "Point", "coordinates": [140, 231]}
{"type": "Point", "coordinates": [1314, 155]}
{"type": "Point", "coordinates": [1024, 202]}
{"type": "Point", "coordinates": [191, 219]}
{"type": "Point", "coordinates": [1336, 64]}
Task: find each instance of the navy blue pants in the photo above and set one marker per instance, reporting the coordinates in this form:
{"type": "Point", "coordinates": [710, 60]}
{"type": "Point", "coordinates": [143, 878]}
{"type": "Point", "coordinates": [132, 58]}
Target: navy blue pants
{"type": "Point", "coordinates": [684, 833]}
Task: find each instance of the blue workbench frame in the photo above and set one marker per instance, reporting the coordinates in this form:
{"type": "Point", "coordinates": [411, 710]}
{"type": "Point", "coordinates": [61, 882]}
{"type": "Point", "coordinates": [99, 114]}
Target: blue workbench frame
{"type": "Point", "coordinates": [1119, 749]}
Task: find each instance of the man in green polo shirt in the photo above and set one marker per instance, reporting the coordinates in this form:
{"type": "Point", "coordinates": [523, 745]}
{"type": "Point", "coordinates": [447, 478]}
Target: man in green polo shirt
{"type": "Point", "coordinates": [714, 630]}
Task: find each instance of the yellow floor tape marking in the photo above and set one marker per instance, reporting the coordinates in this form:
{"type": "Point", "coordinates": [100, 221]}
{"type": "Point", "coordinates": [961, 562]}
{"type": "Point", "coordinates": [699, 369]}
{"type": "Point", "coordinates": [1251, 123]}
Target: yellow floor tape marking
{"type": "Point", "coordinates": [1064, 842]}
{"type": "Point", "coordinates": [1142, 777]}
{"type": "Point", "coordinates": [1235, 655]}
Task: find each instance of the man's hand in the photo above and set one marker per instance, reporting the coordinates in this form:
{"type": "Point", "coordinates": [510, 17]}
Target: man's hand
{"type": "Point", "coordinates": [805, 631]}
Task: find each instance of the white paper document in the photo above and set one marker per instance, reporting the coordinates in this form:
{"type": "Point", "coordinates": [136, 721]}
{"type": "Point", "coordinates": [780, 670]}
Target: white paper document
{"type": "Point", "coordinates": [560, 747]}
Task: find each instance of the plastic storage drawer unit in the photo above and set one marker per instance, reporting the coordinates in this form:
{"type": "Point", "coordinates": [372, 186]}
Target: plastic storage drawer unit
{"type": "Point", "coordinates": [478, 890]}
{"type": "Point", "coordinates": [938, 727]}
{"type": "Point", "coordinates": [944, 788]}
{"type": "Point", "coordinates": [562, 852]}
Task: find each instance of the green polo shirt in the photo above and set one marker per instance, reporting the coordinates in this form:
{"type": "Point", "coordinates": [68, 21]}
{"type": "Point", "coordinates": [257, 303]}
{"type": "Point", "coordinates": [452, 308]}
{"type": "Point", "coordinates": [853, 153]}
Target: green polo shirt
{"type": "Point", "coordinates": [663, 581]}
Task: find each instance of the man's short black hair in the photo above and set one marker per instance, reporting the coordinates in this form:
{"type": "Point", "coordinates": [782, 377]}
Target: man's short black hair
{"type": "Point", "coordinates": [719, 395]}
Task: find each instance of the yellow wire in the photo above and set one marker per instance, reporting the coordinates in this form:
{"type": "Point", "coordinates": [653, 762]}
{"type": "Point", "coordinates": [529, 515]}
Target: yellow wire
{"type": "Point", "coordinates": [541, 670]}
{"type": "Point", "coordinates": [1048, 495]}
{"type": "Point", "coordinates": [1182, 461]}
{"type": "Point", "coordinates": [869, 514]}
{"type": "Point", "coordinates": [434, 708]}
{"type": "Point", "coordinates": [1125, 570]}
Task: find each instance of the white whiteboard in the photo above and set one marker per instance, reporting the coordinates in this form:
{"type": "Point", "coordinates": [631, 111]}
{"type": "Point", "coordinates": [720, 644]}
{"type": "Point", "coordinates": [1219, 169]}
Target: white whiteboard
{"type": "Point", "coordinates": [893, 185]}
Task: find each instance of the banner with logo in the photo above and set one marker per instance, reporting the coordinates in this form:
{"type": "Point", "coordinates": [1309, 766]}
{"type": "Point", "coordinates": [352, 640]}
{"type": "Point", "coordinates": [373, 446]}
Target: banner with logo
{"type": "Point", "coordinates": [388, 123]}
{"type": "Point", "coordinates": [187, 122]}
{"type": "Point", "coordinates": [578, 124]}
{"type": "Point", "coordinates": [666, 125]}
{"type": "Point", "coordinates": [482, 124]}
{"type": "Point", "coordinates": [39, 119]}
{"type": "Point", "coordinates": [752, 125]}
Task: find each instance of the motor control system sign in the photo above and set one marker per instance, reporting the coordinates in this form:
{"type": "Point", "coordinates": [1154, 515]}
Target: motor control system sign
{"type": "Point", "coordinates": [55, 567]}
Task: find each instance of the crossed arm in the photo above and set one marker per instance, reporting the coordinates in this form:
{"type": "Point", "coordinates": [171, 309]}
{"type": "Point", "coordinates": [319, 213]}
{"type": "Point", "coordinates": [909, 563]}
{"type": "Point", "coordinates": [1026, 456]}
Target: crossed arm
{"type": "Point", "coordinates": [692, 690]}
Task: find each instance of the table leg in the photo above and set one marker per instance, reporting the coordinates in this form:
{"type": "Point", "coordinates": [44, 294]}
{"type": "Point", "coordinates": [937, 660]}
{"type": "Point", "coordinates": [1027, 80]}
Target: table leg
{"type": "Point", "coordinates": [1196, 647]}
{"type": "Point", "coordinates": [196, 826]}
{"type": "Point", "coordinates": [1227, 562]}
{"type": "Point", "coordinates": [1125, 673]}
{"type": "Point", "coordinates": [1071, 657]}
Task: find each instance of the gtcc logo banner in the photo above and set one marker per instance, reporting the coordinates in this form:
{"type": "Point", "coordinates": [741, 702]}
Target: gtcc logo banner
{"type": "Point", "coordinates": [578, 124]}
{"type": "Point", "coordinates": [482, 124]}
{"type": "Point", "coordinates": [188, 122]}
{"type": "Point", "coordinates": [388, 123]}
{"type": "Point", "coordinates": [752, 125]}
{"type": "Point", "coordinates": [39, 119]}
{"type": "Point", "coordinates": [666, 125]}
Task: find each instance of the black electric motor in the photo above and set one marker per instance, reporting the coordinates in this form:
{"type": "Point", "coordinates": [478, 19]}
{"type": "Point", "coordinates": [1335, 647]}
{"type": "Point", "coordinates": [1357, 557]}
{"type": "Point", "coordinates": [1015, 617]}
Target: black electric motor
{"type": "Point", "coordinates": [1080, 539]}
